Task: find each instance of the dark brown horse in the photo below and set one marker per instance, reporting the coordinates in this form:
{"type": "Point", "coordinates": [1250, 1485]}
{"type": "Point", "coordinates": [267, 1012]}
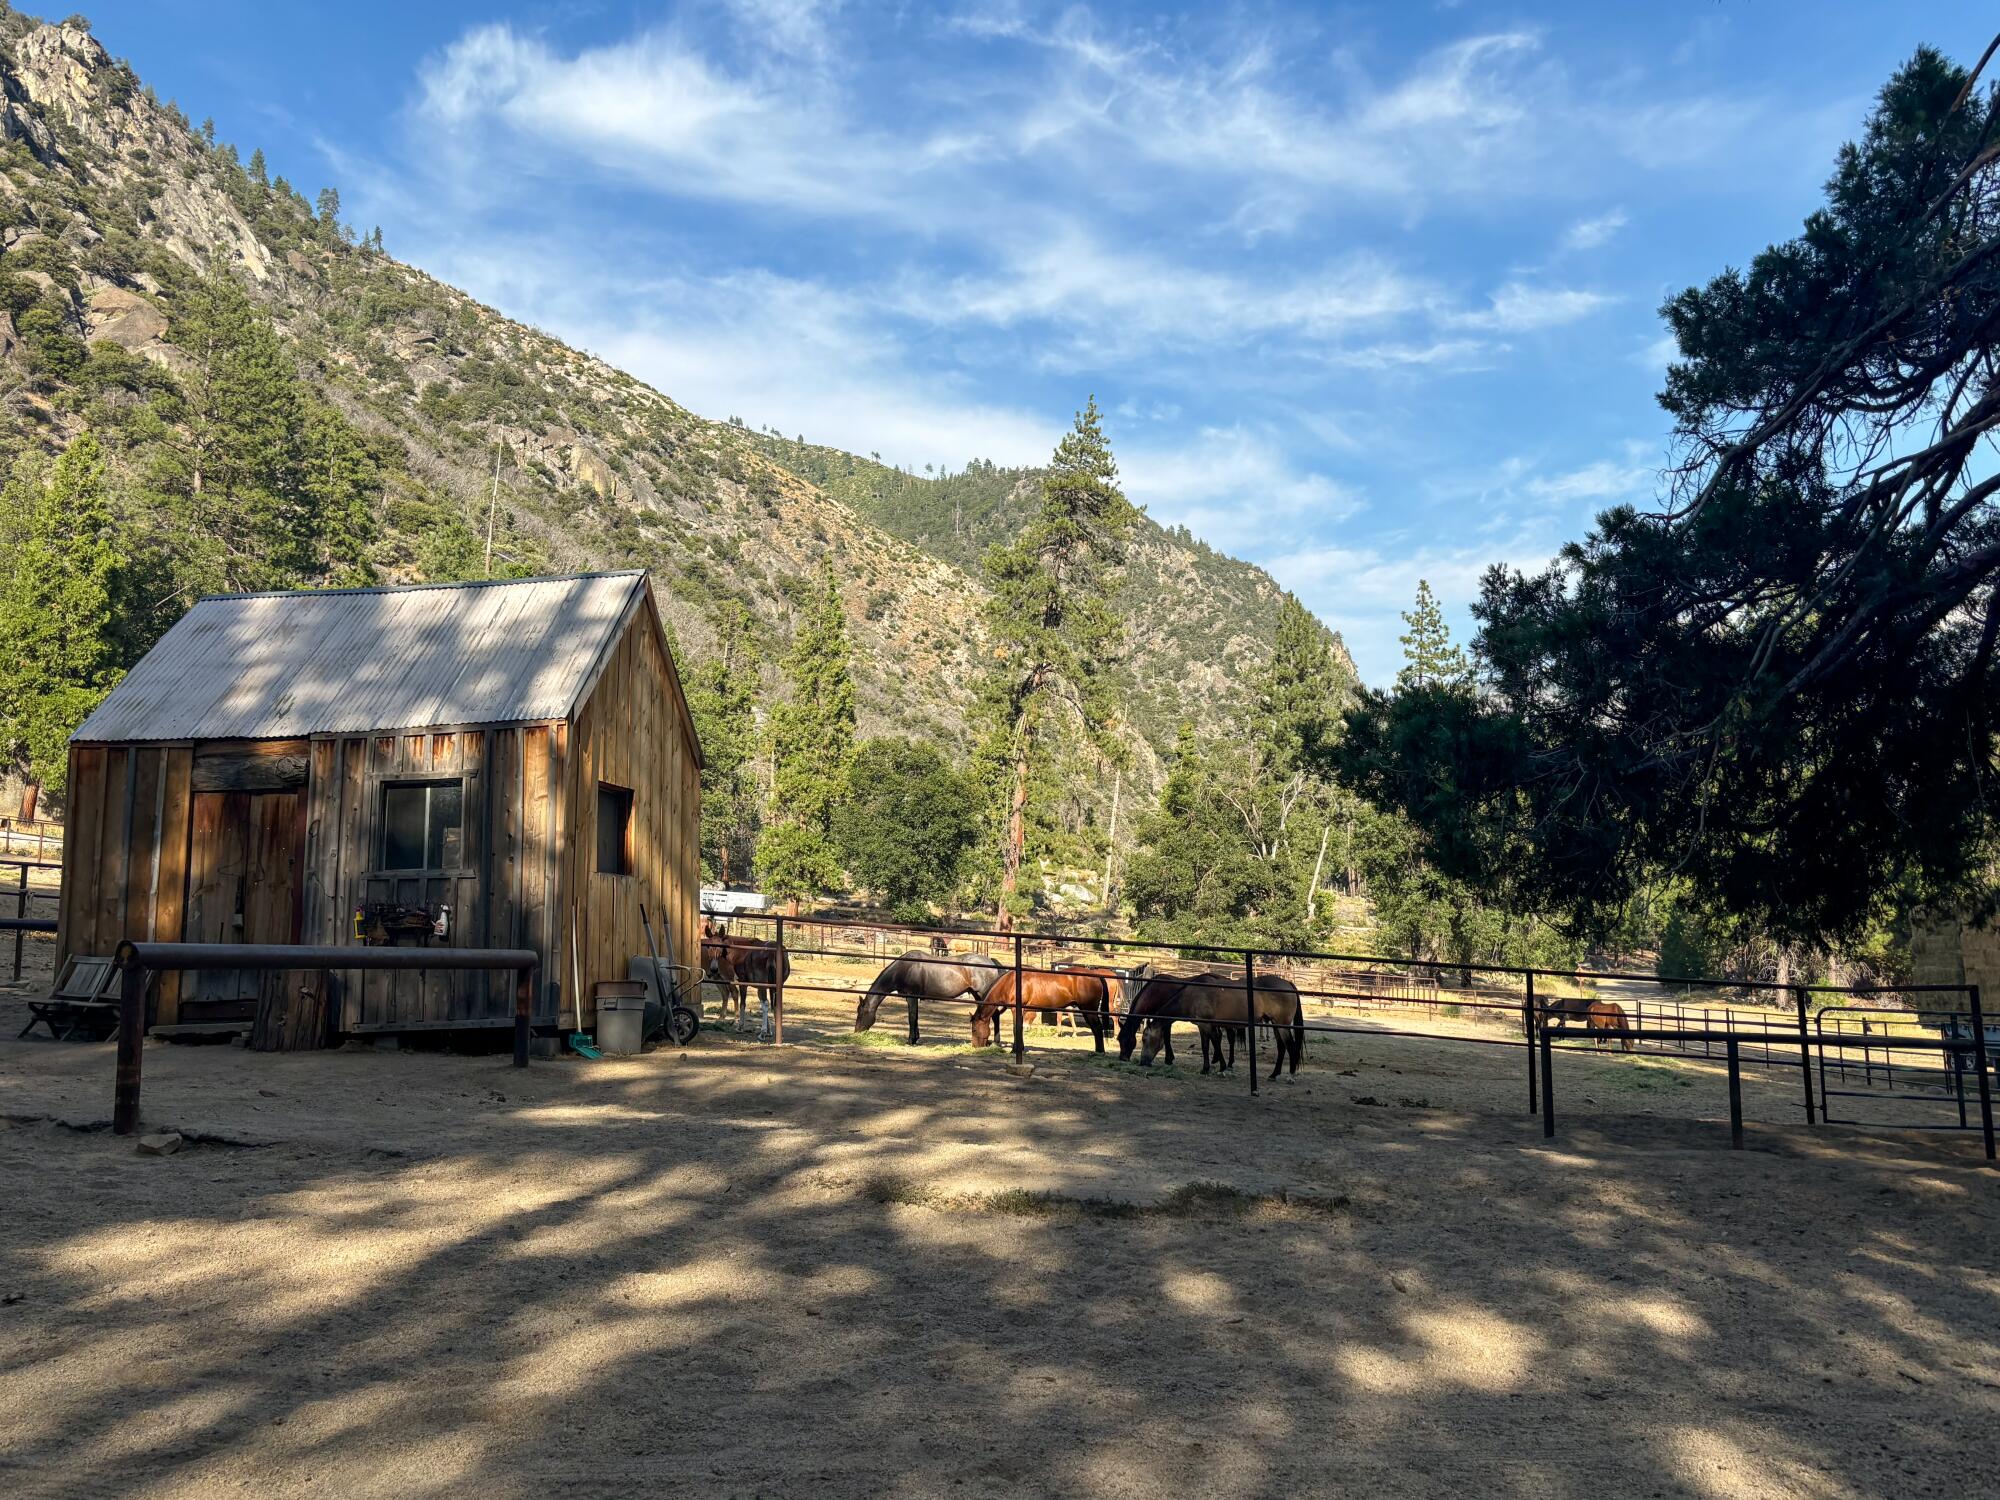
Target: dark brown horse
{"type": "Point", "coordinates": [917, 975]}
{"type": "Point", "coordinates": [740, 964]}
{"type": "Point", "coordinates": [1159, 995]}
{"type": "Point", "coordinates": [1087, 991]}
{"type": "Point", "coordinates": [1220, 1012]}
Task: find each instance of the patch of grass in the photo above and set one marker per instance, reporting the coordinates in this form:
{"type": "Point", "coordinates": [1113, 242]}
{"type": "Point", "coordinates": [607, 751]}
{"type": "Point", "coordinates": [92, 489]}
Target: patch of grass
{"type": "Point", "coordinates": [899, 1039]}
{"type": "Point", "coordinates": [1640, 1075]}
{"type": "Point", "coordinates": [1191, 1200]}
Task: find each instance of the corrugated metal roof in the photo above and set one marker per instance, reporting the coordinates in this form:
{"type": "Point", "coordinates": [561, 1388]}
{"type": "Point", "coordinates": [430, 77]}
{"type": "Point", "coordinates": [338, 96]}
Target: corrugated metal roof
{"type": "Point", "coordinates": [345, 661]}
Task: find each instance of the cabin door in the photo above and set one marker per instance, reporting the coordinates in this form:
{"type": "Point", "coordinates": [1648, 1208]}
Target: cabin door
{"type": "Point", "coordinates": [243, 887]}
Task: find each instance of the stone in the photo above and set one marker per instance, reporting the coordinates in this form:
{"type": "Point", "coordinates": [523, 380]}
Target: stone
{"type": "Point", "coordinates": [124, 318]}
{"type": "Point", "coordinates": [161, 1143]}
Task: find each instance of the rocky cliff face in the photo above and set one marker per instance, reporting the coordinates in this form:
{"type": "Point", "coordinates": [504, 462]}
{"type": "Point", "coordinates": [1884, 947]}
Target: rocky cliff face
{"type": "Point", "coordinates": [585, 466]}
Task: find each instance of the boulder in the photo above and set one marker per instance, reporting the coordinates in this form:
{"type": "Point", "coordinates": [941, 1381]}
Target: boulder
{"type": "Point", "coordinates": [124, 318]}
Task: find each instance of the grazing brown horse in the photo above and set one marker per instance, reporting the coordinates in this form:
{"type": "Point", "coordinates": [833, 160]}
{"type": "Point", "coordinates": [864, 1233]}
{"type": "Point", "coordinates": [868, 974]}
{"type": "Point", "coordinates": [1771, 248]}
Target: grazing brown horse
{"type": "Point", "coordinates": [1606, 1016]}
{"type": "Point", "coordinates": [917, 975]}
{"type": "Point", "coordinates": [740, 964]}
{"type": "Point", "coordinates": [1159, 995]}
{"type": "Point", "coordinates": [1220, 1012]}
{"type": "Point", "coordinates": [1085, 990]}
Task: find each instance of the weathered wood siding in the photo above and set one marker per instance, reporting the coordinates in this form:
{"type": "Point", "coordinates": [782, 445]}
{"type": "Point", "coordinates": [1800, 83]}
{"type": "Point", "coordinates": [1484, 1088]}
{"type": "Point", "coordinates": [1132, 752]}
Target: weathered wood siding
{"type": "Point", "coordinates": [125, 852]}
{"type": "Point", "coordinates": [633, 731]}
{"type": "Point", "coordinates": [499, 888]}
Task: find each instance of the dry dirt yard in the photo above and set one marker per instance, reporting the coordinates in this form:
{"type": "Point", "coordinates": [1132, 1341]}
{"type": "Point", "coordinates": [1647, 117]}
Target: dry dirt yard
{"type": "Point", "coordinates": [846, 1270]}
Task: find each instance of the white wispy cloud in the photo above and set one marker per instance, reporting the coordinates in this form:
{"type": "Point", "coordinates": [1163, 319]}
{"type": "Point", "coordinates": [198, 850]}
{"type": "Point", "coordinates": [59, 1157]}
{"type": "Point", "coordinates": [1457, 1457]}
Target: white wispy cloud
{"type": "Point", "coordinates": [1232, 486]}
{"type": "Point", "coordinates": [1520, 308]}
{"type": "Point", "coordinates": [1589, 234]}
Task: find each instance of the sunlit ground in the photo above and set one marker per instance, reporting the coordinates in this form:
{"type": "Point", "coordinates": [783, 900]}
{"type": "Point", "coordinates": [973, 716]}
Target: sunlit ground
{"type": "Point", "coordinates": [870, 1269]}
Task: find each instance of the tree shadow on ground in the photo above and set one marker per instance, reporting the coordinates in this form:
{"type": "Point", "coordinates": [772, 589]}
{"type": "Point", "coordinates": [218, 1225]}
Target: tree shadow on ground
{"type": "Point", "coordinates": [751, 1271]}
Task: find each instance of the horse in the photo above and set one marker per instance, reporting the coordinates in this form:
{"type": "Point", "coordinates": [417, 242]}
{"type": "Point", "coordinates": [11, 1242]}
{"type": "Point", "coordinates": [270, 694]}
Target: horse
{"type": "Point", "coordinates": [1158, 996]}
{"type": "Point", "coordinates": [917, 975]}
{"type": "Point", "coordinates": [1602, 1016]}
{"type": "Point", "coordinates": [1220, 1011]}
{"type": "Point", "coordinates": [1086, 990]}
{"type": "Point", "coordinates": [739, 964]}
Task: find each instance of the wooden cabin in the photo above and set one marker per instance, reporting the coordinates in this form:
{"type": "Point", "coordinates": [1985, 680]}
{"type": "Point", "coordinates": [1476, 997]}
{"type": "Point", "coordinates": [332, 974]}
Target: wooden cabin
{"type": "Point", "coordinates": [511, 762]}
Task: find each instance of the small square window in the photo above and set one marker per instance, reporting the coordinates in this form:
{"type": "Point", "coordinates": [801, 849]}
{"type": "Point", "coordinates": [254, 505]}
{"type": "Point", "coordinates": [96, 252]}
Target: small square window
{"type": "Point", "coordinates": [423, 825]}
{"type": "Point", "coordinates": [614, 829]}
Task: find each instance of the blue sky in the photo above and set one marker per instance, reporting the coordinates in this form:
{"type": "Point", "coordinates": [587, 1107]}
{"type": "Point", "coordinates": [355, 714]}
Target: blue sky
{"type": "Point", "coordinates": [1368, 293]}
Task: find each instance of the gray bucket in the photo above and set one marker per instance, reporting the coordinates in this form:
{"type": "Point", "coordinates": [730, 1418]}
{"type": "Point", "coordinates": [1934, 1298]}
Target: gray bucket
{"type": "Point", "coordinates": [621, 1024]}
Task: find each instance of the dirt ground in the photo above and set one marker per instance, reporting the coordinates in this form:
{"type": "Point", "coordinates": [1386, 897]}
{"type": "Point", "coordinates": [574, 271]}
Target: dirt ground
{"type": "Point", "coordinates": [876, 1270]}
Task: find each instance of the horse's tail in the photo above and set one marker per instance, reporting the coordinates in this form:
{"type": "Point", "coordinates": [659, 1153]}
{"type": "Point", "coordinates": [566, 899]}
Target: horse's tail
{"type": "Point", "coordinates": [1298, 1029]}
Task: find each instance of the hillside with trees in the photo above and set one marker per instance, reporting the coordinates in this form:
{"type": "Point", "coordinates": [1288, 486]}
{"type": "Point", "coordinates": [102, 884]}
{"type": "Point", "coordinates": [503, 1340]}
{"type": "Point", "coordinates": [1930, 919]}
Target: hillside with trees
{"type": "Point", "coordinates": [276, 401]}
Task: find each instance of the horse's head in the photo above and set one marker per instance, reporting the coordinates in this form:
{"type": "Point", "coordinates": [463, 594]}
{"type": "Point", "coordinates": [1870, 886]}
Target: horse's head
{"type": "Point", "coordinates": [1156, 1038]}
{"type": "Point", "coordinates": [1130, 1022]}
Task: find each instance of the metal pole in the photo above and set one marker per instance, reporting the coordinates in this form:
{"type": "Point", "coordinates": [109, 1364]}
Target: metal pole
{"type": "Point", "coordinates": [1548, 1078]}
{"type": "Point", "coordinates": [1805, 1056]}
{"type": "Point", "coordinates": [778, 989]}
{"type": "Point", "coordinates": [1528, 1032]}
{"type": "Point", "coordinates": [1250, 1011]}
{"type": "Point", "coordinates": [20, 910]}
{"type": "Point", "coordinates": [523, 1005]}
{"type": "Point", "coordinates": [1979, 1056]}
{"type": "Point", "coordinates": [1735, 1097]}
{"type": "Point", "coordinates": [1020, 998]}
{"type": "Point", "coordinates": [131, 1043]}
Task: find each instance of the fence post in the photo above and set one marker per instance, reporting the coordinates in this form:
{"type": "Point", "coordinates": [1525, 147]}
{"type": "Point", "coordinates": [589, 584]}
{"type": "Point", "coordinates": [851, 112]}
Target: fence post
{"type": "Point", "coordinates": [20, 910]}
{"type": "Point", "coordinates": [1737, 1095]}
{"type": "Point", "coordinates": [1979, 1056]}
{"type": "Point", "coordinates": [131, 1045]}
{"type": "Point", "coordinates": [526, 983]}
{"type": "Point", "coordinates": [1020, 1004]}
{"type": "Point", "coordinates": [1548, 1078]}
{"type": "Point", "coordinates": [1528, 1032]}
{"type": "Point", "coordinates": [778, 989]}
{"type": "Point", "coordinates": [1805, 1054]}
{"type": "Point", "coordinates": [1250, 1011]}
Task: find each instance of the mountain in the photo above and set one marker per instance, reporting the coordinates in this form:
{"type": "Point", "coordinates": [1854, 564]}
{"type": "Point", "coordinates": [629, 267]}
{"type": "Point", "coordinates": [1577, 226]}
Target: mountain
{"type": "Point", "coordinates": [418, 418]}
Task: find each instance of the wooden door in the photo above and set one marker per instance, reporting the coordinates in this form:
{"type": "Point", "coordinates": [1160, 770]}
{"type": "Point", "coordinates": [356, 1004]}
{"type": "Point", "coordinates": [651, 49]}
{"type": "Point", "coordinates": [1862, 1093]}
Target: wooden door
{"type": "Point", "coordinates": [243, 887]}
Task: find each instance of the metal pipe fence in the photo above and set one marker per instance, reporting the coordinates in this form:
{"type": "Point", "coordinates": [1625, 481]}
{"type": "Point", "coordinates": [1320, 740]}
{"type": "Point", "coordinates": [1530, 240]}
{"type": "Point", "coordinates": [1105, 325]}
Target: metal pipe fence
{"type": "Point", "coordinates": [23, 896]}
{"type": "Point", "coordinates": [1827, 1050]}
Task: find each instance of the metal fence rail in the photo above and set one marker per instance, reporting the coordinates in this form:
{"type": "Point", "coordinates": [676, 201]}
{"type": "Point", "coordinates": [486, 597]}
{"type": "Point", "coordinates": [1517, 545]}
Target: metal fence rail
{"type": "Point", "coordinates": [1776, 1039]}
{"type": "Point", "coordinates": [25, 918]}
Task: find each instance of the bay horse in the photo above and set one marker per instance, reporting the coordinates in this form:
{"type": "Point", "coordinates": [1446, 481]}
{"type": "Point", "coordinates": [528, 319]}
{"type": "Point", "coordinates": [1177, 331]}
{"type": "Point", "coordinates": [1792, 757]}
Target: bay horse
{"type": "Point", "coordinates": [1085, 990]}
{"type": "Point", "coordinates": [1603, 1016]}
{"type": "Point", "coordinates": [1159, 995]}
{"type": "Point", "coordinates": [921, 975]}
{"type": "Point", "coordinates": [740, 964]}
{"type": "Point", "coordinates": [1223, 1011]}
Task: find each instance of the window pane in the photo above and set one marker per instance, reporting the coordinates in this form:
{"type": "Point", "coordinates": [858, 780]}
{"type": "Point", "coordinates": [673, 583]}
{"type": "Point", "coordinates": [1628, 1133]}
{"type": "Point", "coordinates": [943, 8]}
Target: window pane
{"type": "Point", "coordinates": [447, 809]}
{"type": "Point", "coordinates": [614, 817]}
{"type": "Point", "coordinates": [403, 827]}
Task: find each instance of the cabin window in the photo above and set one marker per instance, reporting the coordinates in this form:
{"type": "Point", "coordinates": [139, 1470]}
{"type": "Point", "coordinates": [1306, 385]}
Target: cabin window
{"type": "Point", "coordinates": [614, 829]}
{"type": "Point", "coordinates": [423, 825]}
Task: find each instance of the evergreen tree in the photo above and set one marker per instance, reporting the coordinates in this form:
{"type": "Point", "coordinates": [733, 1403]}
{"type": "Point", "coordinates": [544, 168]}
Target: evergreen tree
{"type": "Point", "coordinates": [327, 208]}
{"type": "Point", "coordinates": [812, 743]}
{"type": "Point", "coordinates": [1052, 624]}
{"type": "Point", "coordinates": [1430, 660]}
{"type": "Point", "coordinates": [259, 174]}
{"type": "Point", "coordinates": [56, 612]}
{"type": "Point", "coordinates": [721, 696]}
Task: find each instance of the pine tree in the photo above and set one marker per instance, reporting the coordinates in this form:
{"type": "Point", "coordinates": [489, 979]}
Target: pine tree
{"type": "Point", "coordinates": [1430, 660]}
{"type": "Point", "coordinates": [57, 612]}
{"type": "Point", "coordinates": [259, 173]}
{"type": "Point", "coordinates": [721, 695]}
{"type": "Point", "coordinates": [1302, 693]}
{"type": "Point", "coordinates": [812, 744]}
{"type": "Point", "coordinates": [1052, 624]}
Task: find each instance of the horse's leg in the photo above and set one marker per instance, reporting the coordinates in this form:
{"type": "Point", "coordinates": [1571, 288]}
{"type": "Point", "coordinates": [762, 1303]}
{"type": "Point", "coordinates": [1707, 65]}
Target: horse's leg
{"type": "Point", "coordinates": [764, 1029]}
{"type": "Point", "coordinates": [912, 998]}
{"type": "Point", "coordinates": [1203, 1028]}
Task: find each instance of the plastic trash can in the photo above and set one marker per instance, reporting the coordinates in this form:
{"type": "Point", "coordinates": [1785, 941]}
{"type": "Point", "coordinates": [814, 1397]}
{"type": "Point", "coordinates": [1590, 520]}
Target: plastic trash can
{"type": "Point", "coordinates": [621, 1017]}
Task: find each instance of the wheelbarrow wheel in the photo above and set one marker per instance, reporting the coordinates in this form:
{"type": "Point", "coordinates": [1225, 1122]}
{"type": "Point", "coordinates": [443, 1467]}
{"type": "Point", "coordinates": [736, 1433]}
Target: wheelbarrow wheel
{"type": "Point", "coordinates": [683, 1025]}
